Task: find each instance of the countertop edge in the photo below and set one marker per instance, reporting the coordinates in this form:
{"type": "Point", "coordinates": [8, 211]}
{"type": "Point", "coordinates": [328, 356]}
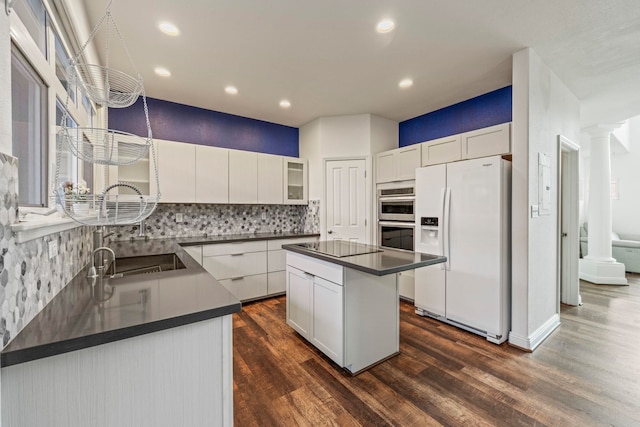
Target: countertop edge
{"type": "Point", "coordinates": [60, 347]}
{"type": "Point", "coordinates": [345, 263]}
{"type": "Point", "coordinates": [212, 240]}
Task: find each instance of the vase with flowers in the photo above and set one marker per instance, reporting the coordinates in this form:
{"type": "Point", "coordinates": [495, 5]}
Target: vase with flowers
{"type": "Point", "coordinates": [78, 193]}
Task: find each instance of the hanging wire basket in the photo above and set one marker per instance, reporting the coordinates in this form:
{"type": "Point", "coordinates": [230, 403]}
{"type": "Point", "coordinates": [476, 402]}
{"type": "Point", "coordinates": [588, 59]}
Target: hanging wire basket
{"type": "Point", "coordinates": [106, 86]}
{"type": "Point", "coordinates": [107, 208]}
{"type": "Point", "coordinates": [121, 203]}
{"type": "Point", "coordinates": [104, 146]}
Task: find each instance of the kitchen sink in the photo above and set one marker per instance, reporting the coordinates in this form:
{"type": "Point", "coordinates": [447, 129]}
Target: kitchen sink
{"type": "Point", "coordinates": [144, 265]}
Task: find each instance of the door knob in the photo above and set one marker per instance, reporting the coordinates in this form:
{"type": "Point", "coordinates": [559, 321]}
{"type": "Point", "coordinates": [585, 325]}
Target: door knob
{"type": "Point", "coordinates": [564, 234]}
{"type": "Point", "coordinates": [330, 232]}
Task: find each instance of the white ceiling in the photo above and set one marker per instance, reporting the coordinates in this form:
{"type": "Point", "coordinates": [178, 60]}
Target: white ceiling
{"type": "Point", "coordinates": [326, 58]}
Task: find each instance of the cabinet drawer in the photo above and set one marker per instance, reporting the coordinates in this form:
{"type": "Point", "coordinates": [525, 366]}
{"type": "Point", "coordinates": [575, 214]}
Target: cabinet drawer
{"type": "Point", "coordinates": [276, 282]}
{"type": "Point", "coordinates": [316, 267]}
{"type": "Point", "coordinates": [228, 266]}
{"type": "Point", "coordinates": [274, 245]}
{"type": "Point", "coordinates": [234, 248]}
{"type": "Point", "coordinates": [247, 287]}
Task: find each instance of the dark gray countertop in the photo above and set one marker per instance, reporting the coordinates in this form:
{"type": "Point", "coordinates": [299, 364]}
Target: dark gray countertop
{"type": "Point", "coordinates": [140, 304]}
{"type": "Point", "coordinates": [386, 261]}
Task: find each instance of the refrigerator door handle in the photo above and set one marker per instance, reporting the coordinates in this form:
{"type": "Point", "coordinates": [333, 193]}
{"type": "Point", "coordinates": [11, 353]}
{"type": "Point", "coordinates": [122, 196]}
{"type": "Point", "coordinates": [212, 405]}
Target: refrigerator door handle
{"type": "Point", "coordinates": [441, 247]}
{"type": "Point", "coordinates": [446, 218]}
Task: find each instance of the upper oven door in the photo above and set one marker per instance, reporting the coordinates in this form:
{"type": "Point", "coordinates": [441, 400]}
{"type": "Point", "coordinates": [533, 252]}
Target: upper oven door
{"type": "Point", "coordinates": [396, 209]}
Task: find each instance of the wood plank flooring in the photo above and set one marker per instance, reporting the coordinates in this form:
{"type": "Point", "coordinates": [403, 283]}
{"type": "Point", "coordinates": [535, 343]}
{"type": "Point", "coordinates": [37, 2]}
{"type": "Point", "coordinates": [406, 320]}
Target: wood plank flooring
{"type": "Point", "coordinates": [587, 373]}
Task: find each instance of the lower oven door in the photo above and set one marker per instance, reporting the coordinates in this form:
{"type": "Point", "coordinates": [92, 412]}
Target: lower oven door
{"type": "Point", "coordinates": [396, 235]}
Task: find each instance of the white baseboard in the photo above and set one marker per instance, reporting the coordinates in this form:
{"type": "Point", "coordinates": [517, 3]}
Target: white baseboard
{"type": "Point", "coordinates": [535, 339]}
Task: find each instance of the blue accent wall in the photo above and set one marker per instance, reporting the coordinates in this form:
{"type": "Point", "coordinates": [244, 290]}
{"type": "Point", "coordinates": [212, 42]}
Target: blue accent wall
{"type": "Point", "coordinates": [178, 122]}
{"type": "Point", "coordinates": [490, 109]}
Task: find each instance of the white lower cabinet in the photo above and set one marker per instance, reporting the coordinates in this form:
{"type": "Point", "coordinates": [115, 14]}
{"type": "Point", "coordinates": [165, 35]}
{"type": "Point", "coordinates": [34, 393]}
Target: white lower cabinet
{"type": "Point", "coordinates": [276, 263]}
{"type": "Point", "coordinates": [249, 270]}
{"type": "Point", "coordinates": [314, 310]}
{"type": "Point", "coordinates": [351, 316]}
{"type": "Point", "coordinates": [299, 291]}
{"type": "Point", "coordinates": [328, 319]}
{"type": "Point", "coordinates": [406, 284]}
{"type": "Point", "coordinates": [246, 287]}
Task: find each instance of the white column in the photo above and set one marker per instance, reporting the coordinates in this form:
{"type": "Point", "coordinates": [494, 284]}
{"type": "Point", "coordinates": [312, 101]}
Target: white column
{"type": "Point", "coordinates": [599, 266]}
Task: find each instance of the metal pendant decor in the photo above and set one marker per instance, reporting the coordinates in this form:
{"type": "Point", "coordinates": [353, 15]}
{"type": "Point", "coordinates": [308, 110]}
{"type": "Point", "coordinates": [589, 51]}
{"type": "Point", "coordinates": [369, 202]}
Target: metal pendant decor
{"type": "Point", "coordinates": [119, 203]}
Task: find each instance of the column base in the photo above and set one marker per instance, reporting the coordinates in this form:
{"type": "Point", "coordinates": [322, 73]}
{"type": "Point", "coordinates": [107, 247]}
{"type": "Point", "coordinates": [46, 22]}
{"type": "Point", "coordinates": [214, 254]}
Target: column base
{"type": "Point", "coordinates": [602, 272]}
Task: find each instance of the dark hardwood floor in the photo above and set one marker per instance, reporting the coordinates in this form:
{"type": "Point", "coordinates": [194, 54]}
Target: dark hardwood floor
{"type": "Point", "coordinates": [586, 373]}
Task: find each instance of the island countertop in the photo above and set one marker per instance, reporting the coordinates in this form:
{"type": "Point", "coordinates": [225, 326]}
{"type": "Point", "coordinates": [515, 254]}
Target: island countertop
{"type": "Point", "coordinates": [140, 304]}
{"type": "Point", "coordinates": [366, 258]}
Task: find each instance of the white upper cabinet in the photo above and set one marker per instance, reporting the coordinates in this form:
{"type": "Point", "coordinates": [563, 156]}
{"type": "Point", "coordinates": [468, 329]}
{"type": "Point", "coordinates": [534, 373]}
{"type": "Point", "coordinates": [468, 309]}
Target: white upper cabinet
{"type": "Point", "coordinates": [138, 174]}
{"type": "Point", "coordinates": [386, 166]}
{"type": "Point", "coordinates": [212, 174]}
{"type": "Point", "coordinates": [441, 150]}
{"type": "Point", "coordinates": [270, 179]}
{"type": "Point", "coordinates": [295, 181]}
{"type": "Point", "coordinates": [488, 141]}
{"type": "Point", "coordinates": [191, 173]}
{"type": "Point", "coordinates": [398, 165]}
{"type": "Point", "coordinates": [176, 171]}
{"type": "Point", "coordinates": [243, 177]}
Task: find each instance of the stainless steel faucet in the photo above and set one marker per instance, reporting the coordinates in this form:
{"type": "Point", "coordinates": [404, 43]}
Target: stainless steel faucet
{"type": "Point", "coordinates": [97, 258]}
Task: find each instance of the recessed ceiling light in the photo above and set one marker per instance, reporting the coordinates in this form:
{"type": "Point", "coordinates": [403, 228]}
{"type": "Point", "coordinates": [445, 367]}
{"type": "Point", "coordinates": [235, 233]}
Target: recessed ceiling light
{"type": "Point", "coordinates": [168, 28]}
{"type": "Point", "coordinates": [285, 104]}
{"type": "Point", "coordinates": [231, 90]}
{"type": "Point", "coordinates": [162, 72]}
{"type": "Point", "coordinates": [385, 26]}
{"type": "Point", "coordinates": [405, 83]}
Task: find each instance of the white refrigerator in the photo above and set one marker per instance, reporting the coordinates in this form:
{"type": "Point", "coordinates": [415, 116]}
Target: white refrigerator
{"type": "Point", "coordinates": [463, 212]}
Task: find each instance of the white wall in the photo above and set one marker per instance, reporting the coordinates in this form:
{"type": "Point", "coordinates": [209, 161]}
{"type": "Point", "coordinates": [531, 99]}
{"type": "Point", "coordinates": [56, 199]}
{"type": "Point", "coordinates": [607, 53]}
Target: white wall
{"type": "Point", "coordinates": [625, 168]}
{"type": "Point", "coordinates": [543, 108]}
{"type": "Point", "coordinates": [361, 135]}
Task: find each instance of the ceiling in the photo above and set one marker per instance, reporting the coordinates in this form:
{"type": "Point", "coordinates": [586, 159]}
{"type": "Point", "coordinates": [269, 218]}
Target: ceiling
{"type": "Point", "coordinates": [326, 58]}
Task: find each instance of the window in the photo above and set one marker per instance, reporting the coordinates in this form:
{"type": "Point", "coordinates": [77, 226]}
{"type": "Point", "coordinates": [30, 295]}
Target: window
{"type": "Point", "coordinates": [62, 62]}
{"type": "Point", "coordinates": [29, 127]}
{"type": "Point", "coordinates": [33, 15]}
{"type": "Point", "coordinates": [68, 170]}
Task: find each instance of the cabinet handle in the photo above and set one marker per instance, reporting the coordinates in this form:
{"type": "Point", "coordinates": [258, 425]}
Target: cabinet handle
{"type": "Point", "coordinates": [233, 279]}
{"type": "Point", "coordinates": [309, 275]}
{"type": "Point", "coordinates": [237, 254]}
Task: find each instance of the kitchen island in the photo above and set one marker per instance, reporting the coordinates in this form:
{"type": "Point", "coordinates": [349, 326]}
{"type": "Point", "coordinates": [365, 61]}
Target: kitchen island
{"type": "Point", "coordinates": [343, 298]}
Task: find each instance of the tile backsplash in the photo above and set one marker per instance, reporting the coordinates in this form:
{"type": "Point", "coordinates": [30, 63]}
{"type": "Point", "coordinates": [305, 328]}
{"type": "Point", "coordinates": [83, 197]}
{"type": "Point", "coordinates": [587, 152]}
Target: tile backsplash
{"type": "Point", "coordinates": [199, 219]}
{"type": "Point", "coordinates": [28, 278]}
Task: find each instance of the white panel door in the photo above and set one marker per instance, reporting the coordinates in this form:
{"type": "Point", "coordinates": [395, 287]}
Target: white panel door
{"type": "Point", "coordinates": [243, 177]}
{"type": "Point", "coordinates": [430, 282]}
{"type": "Point", "coordinates": [212, 174]}
{"type": "Point", "coordinates": [347, 213]}
{"type": "Point", "coordinates": [473, 279]}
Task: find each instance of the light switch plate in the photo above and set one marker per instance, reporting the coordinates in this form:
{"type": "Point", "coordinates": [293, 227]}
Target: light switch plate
{"type": "Point", "coordinates": [179, 217]}
{"type": "Point", "coordinates": [53, 248]}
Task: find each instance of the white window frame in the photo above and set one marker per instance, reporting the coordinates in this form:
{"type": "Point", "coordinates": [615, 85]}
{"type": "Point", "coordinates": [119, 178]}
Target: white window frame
{"type": "Point", "coordinates": [45, 67]}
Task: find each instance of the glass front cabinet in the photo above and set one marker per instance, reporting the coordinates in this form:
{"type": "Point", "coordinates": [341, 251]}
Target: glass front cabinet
{"type": "Point", "coordinates": [295, 181]}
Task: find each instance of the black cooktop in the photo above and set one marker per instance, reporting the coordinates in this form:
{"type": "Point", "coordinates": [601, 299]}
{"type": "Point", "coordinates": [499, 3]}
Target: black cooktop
{"type": "Point", "coordinates": [340, 248]}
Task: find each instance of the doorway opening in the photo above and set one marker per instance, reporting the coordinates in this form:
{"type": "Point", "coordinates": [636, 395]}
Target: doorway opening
{"type": "Point", "coordinates": [568, 222]}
